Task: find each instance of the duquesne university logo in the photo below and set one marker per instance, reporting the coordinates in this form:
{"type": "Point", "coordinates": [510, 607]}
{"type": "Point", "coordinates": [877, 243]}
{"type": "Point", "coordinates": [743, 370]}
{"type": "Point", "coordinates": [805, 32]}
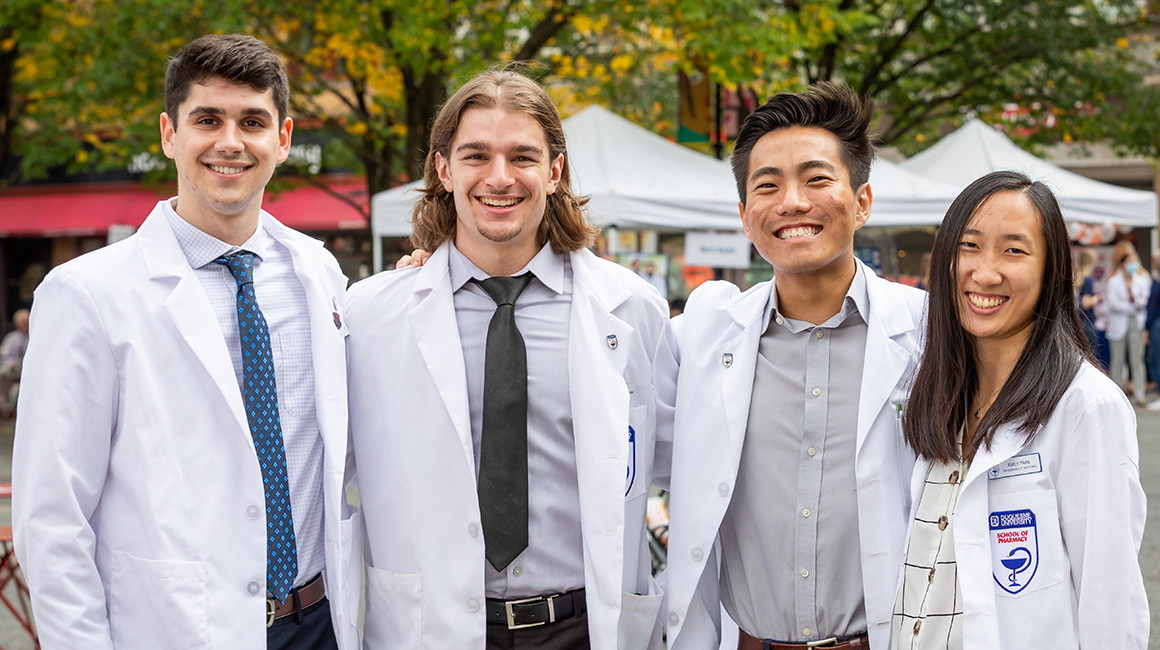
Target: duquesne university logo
{"type": "Point", "coordinates": [1014, 549]}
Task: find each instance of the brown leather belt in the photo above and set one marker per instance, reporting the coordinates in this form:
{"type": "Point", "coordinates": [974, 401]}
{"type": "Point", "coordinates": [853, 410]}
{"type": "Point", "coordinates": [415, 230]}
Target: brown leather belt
{"type": "Point", "coordinates": [298, 599]}
{"type": "Point", "coordinates": [860, 642]}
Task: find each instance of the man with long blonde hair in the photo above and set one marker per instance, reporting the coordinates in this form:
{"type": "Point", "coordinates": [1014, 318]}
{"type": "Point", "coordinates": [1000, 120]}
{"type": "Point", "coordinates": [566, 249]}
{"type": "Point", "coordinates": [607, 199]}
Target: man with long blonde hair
{"type": "Point", "coordinates": [504, 395]}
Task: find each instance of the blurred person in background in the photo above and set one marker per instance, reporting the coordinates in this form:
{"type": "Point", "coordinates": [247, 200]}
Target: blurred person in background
{"type": "Point", "coordinates": [1152, 328]}
{"type": "Point", "coordinates": [1086, 300]}
{"type": "Point", "coordinates": [11, 359]}
{"type": "Point", "coordinates": [1127, 300]}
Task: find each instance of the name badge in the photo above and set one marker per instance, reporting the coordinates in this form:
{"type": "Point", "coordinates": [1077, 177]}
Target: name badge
{"type": "Point", "coordinates": [1016, 466]}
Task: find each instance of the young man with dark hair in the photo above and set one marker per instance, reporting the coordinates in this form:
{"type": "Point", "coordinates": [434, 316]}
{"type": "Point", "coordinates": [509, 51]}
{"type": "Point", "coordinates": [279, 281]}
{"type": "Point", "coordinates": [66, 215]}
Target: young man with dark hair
{"type": "Point", "coordinates": [181, 445]}
{"type": "Point", "coordinates": [787, 440]}
{"type": "Point", "coordinates": [504, 395]}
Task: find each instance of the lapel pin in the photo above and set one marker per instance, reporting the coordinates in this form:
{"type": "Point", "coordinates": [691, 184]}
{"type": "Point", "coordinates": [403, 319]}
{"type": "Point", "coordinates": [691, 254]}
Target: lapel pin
{"type": "Point", "coordinates": [611, 338]}
{"type": "Point", "coordinates": [727, 359]}
{"type": "Point", "coordinates": [337, 318]}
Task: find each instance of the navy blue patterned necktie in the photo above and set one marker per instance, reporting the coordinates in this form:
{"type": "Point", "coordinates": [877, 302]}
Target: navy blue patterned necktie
{"type": "Point", "coordinates": [261, 398]}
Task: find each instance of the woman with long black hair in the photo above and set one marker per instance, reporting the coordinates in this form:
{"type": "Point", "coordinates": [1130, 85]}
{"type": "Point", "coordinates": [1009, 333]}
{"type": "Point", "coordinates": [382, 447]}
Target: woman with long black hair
{"type": "Point", "coordinates": [1028, 512]}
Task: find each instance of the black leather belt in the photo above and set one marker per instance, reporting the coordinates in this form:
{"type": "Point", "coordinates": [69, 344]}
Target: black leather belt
{"type": "Point", "coordinates": [541, 610]}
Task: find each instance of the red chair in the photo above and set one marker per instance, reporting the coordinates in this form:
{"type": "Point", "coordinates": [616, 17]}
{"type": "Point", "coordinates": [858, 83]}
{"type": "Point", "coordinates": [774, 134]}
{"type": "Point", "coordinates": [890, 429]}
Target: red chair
{"type": "Point", "coordinates": [10, 573]}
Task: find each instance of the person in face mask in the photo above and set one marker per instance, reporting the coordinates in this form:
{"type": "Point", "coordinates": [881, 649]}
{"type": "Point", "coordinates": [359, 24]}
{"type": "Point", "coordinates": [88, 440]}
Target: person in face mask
{"type": "Point", "coordinates": [1127, 300]}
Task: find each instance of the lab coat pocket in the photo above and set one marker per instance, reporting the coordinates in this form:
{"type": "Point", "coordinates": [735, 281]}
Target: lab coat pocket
{"type": "Point", "coordinates": [350, 541]}
{"type": "Point", "coordinates": [394, 615]}
{"type": "Point", "coordinates": [634, 484]}
{"type": "Point", "coordinates": [1027, 553]}
{"type": "Point", "coordinates": [639, 626]}
{"type": "Point", "coordinates": [157, 604]}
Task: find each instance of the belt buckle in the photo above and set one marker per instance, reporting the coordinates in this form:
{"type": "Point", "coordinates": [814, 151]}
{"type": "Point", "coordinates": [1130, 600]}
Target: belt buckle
{"type": "Point", "coordinates": [269, 612]}
{"type": "Point", "coordinates": [511, 619]}
{"type": "Point", "coordinates": [821, 643]}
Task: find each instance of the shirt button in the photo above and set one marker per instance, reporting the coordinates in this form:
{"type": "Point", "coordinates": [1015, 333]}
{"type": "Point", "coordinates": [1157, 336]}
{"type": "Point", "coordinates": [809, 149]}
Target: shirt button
{"type": "Point", "coordinates": [253, 588]}
{"type": "Point", "coordinates": [517, 571]}
{"type": "Point", "coordinates": [780, 321]}
{"type": "Point", "coordinates": [807, 631]}
{"type": "Point", "coordinates": [697, 554]}
{"type": "Point", "coordinates": [673, 618]}
{"type": "Point", "coordinates": [954, 477]}
{"type": "Point", "coordinates": [819, 334]}
{"type": "Point", "coordinates": [806, 512]}
{"type": "Point", "coordinates": [917, 627]}
{"type": "Point", "coordinates": [930, 578]}
{"type": "Point", "coordinates": [942, 522]}
{"type": "Point", "coordinates": [473, 530]}
{"type": "Point", "coordinates": [723, 489]}
{"type": "Point", "coordinates": [816, 391]}
{"type": "Point", "coordinates": [811, 451]}
{"type": "Point", "coordinates": [252, 512]}
{"type": "Point", "coordinates": [805, 574]}
{"type": "Point", "coordinates": [472, 605]}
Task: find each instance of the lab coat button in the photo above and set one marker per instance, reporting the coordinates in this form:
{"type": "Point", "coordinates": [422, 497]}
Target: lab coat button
{"type": "Point", "coordinates": [723, 489]}
{"type": "Point", "coordinates": [673, 618]}
{"type": "Point", "coordinates": [253, 588]}
{"type": "Point", "coordinates": [473, 530]}
{"type": "Point", "coordinates": [697, 554]}
{"type": "Point", "coordinates": [252, 512]}
{"type": "Point", "coordinates": [472, 605]}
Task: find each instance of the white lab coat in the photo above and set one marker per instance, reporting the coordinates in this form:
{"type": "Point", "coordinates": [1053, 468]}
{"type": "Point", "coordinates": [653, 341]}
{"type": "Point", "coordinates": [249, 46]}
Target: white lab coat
{"type": "Point", "coordinates": [711, 418]}
{"type": "Point", "coordinates": [134, 470]}
{"type": "Point", "coordinates": [1080, 476]}
{"type": "Point", "coordinates": [1118, 308]}
{"type": "Point", "coordinates": [412, 435]}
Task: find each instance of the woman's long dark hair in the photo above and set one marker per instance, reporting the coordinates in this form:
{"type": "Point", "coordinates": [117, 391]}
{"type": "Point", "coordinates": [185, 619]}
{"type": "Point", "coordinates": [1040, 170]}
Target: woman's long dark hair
{"type": "Point", "coordinates": [946, 383]}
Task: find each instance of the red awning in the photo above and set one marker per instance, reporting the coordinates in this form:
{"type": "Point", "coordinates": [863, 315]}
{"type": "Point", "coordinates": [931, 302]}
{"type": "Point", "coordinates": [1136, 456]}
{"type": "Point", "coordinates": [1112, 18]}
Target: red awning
{"type": "Point", "coordinates": [80, 212]}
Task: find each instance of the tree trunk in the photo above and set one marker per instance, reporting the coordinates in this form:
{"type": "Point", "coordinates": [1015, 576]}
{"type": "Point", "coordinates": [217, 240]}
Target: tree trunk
{"type": "Point", "coordinates": [7, 110]}
{"type": "Point", "coordinates": [424, 97]}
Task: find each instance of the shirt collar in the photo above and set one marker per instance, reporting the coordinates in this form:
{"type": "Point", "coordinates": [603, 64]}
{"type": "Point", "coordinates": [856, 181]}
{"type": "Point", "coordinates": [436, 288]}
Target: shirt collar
{"type": "Point", "coordinates": [546, 266]}
{"type": "Point", "coordinates": [202, 248]}
{"type": "Point", "coordinates": [856, 300]}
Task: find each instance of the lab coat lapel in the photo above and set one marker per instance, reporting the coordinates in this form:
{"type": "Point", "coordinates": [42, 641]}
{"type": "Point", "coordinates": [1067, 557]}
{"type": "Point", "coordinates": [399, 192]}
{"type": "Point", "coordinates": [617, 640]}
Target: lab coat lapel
{"type": "Point", "coordinates": [600, 402]}
{"type": "Point", "coordinates": [189, 308]}
{"type": "Point", "coordinates": [432, 321]}
{"type": "Point", "coordinates": [739, 350]}
{"type": "Point", "coordinates": [1006, 442]}
{"type": "Point", "coordinates": [885, 361]}
{"type": "Point", "coordinates": [327, 351]}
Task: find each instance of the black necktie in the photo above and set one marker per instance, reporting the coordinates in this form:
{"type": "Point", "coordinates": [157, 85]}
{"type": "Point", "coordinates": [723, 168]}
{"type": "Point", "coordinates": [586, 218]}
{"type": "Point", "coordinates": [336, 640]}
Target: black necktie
{"type": "Point", "coordinates": [503, 449]}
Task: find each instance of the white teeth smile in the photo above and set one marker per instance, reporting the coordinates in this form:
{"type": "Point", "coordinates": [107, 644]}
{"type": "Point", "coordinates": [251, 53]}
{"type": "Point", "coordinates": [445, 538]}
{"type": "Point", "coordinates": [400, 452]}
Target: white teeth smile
{"type": "Point", "coordinates": [801, 231]}
{"type": "Point", "coordinates": [228, 170]}
{"type": "Point", "coordinates": [986, 303]}
{"type": "Point", "coordinates": [499, 203]}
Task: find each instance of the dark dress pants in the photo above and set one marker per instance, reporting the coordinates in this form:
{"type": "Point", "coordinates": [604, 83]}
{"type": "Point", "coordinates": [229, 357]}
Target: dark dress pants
{"type": "Point", "coordinates": [567, 634]}
{"type": "Point", "coordinates": [314, 632]}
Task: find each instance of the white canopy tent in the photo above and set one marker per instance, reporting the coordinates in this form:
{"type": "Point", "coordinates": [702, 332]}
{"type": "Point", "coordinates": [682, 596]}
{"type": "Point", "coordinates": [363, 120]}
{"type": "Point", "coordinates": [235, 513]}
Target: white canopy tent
{"type": "Point", "coordinates": [639, 180]}
{"type": "Point", "coordinates": [976, 149]}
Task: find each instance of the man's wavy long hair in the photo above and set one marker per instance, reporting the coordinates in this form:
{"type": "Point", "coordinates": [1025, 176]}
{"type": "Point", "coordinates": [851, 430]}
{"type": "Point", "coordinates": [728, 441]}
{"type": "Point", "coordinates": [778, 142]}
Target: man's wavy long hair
{"type": "Point", "coordinates": [434, 218]}
{"type": "Point", "coordinates": [947, 382]}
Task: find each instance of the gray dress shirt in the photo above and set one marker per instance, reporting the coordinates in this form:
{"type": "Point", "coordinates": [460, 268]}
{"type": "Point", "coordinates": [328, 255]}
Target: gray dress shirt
{"type": "Point", "coordinates": [554, 560]}
{"type": "Point", "coordinates": [283, 303]}
{"type": "Point", "coordinates": [792, 568]}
